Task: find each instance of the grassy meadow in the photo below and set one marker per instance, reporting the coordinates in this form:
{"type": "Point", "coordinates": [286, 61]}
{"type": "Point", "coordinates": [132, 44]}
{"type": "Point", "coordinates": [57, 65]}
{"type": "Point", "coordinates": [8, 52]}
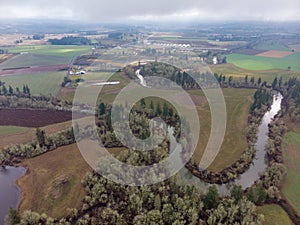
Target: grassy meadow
{"type": "Point", "coordinates": [252, 62]}
{"type": "Point", "coordinates": [43, 55]}
{"type": "Point", "coordinates": [239, 73]}
{"type": "Point", "coordinates": [40, 83]}
{"type": "Point", "coordinates": [51, 50]}
{"type": "Point", "coordinates": [238, 103]}
{"type": "Point", "coordinates": [7, 130]}
{"type": "Point", "coordinates": [52, 183]}
{"type": "Point", "coordinates": [274, 215]}
{"type": "Point", "coordinates": [291, 184]}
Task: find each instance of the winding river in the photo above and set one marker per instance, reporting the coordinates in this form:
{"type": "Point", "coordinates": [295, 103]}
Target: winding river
{"type": "Point", "coordinates": [9, 191]}
{"type": "Point", "coordinates": [258, 165]}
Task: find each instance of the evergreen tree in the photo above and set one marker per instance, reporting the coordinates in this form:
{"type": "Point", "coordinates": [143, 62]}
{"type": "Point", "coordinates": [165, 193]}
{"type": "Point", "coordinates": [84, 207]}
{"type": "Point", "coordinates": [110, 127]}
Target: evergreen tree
{"type": "Point", "coordinates": [41, 136]}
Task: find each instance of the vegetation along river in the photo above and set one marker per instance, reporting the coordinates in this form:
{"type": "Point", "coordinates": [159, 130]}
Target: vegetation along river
{"type": "Point", "coordinates": [9, 192]}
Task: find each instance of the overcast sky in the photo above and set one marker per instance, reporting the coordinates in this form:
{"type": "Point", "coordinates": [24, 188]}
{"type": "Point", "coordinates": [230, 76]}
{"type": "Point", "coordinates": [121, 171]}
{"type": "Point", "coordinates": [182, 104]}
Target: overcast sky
{"type": "Point", "coordinates": [171, 10]}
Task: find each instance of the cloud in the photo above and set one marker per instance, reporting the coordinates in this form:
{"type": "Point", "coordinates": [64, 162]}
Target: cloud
{"type": "Point", "coordinates": [99, 10]}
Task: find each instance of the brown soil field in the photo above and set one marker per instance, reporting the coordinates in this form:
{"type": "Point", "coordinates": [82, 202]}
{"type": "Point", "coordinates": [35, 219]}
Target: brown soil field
{"type": "Point", "coordinates": [31, 70]}
{"type": "Point", "coordinates": [33, 117]}
{"type": "Point", "coordinates": [29, 135]}
{"type": "Point", "coordinates": [275, 54]}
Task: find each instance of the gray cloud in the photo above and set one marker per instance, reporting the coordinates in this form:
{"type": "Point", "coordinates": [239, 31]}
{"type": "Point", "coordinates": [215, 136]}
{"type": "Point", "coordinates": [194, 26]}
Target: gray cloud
{"type": "Point", "coordinates": [154, 9]}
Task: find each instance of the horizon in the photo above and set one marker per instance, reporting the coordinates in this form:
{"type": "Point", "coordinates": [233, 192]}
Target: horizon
{"type": "Point", "coordinates": [154, 11]}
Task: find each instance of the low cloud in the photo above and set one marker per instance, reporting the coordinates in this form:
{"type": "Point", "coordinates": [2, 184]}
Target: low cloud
{"type": "Point", "coordinates": [94, 10]}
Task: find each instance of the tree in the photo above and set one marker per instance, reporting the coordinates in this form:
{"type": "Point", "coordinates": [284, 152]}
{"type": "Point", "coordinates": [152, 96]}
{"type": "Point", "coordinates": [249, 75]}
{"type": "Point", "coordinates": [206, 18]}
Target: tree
{"type": "Point", "coordinates": [4, 90]}
{"type": "Point", "coordinates": [151, 105]}
{"type": "Point", "coordinates": [158, 109]}
{"type": "Point", "coordinates": [211, 199]}
{"type": "Point", "coordinates": [157, 202]}
{"type": "Point", "coordinates": [224, 60]}
{"type": "Point", "coordinates": [10, 90]}
{"type": "Point", "coordinates": [236, 193]}
{"type": "Point", "coordinates": [165, 110]}
{"type": "Point", "coordinates": [41, 136]}
{"type": "Point", "coordinates": [102, 109]}
{"type": "Point", "coordinates": [259, 81]}
{"type": "Point", "coordinates": [13, 217]}
{"type": "Point", "coordinates": [246, 79]}
{"type": "Point", "coordinates": [143, 103]}
{"type": "Point", "coordinates": [230, 79]}
{"type": "Point", "coordinates": [274, 84]}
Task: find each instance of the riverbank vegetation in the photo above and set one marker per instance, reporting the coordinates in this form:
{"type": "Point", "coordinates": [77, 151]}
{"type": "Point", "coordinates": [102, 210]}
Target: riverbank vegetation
{"type": "Point", "coordinates": [166, 202]}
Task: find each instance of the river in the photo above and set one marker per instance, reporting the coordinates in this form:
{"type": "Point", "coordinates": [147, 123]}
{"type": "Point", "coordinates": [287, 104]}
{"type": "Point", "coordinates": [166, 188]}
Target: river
{"type": "Point", "coordinates": [9, 191]}
{"type": "Point", "coordinates": [258, 165]}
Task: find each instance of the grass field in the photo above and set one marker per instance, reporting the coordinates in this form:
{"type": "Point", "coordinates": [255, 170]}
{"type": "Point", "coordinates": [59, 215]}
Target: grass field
{"type": "Point", "coordinates": [272, 46]}
{"type": "Point", "coordinates": [264, 63]}
{"type": "Point", "coordinates": [274, 215]}
{"type": "Point", "coordinates": [29, 60]}
{"type": "Point", "coordinates": [52, 183]}
{"type": "Point", "coordinates": [108, 92]}
{"type": "Point", "coordinates": [291, 184]}
{"type": "Point", "coordinates": [41, 83]}
{"type": "Point", "coordinates": [42, 55]}
{"type": "Point", "coordinates": [239, 73]}
{"type": "Point", "coordinates": [52, 50]}
{"type": "Point", "coordinates": [7, 130]}
{"type": "Point", "coordinates": [237, 105]}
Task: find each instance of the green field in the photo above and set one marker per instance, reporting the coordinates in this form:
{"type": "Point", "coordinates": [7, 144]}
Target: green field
{"type": "Point", "coordinates": [239, 73]}
{"type": "Point", "coordinates": [291, 153]}
{"type": "Point", "coordinates": [29, 60]}
{"type": "Point", "coordinates": [6, 130]}
{"type": "Point", "coordinates": [274, 215]}
{"type": "Point", "coordinates": [252, 62]}
{"type": "Point", "coordinates": [238, 103]}
{"type": "Point", "coordinates": [42, 83]}
{"type": "Point", "coordinates": [272, 46]}
{"type": "Point", "coordinates": [52, 50]}
{"type": "Point", "coordinates": [43, 55]}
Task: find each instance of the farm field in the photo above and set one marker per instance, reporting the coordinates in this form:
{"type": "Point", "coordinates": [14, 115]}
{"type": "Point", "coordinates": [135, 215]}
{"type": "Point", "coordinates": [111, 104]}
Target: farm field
{"type": "Point", "coordinates": [275, 54]}
{"type": "Point", "coordinates": [51, 50]}
{"type": "Point", "coordinates": [29, 60]}
{"type": "Point", "coordinates": [33, 117]}
{"type": "Point", "coordinates": [7, 130]}
{"type": "Point", "coordinates": [28, 134]}
{"type": "Point", "coordinates": [274, 215]}
{"type": "Point", "coordinates": [291, 184]}
{"type": "Point", "coordinates": [39, 83]}
{"type": "Point", "coordinates": [42, 55]}
{"type": "Point", "coordinates": [265, 63]}
{"type": "Point", "coordinates": [108, 92]}
{"type": "Point", "coordinates": [52, 183]}
{"type": "Point", "coordinates": [237, 106]}
{"type": "Point", "coordinates": [239, 73]}
{"type": "Point", "coordinates": [295, 47]}
{"type": "Point", "coordinates": [270, 45]}
{"type": "Point", "coordinates": [32, 70]}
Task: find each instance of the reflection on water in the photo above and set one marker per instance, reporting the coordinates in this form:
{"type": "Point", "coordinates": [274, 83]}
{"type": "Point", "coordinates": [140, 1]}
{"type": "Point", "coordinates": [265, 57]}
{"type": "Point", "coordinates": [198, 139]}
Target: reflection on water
{"type": "Point", "coordinates": [9, 192]}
